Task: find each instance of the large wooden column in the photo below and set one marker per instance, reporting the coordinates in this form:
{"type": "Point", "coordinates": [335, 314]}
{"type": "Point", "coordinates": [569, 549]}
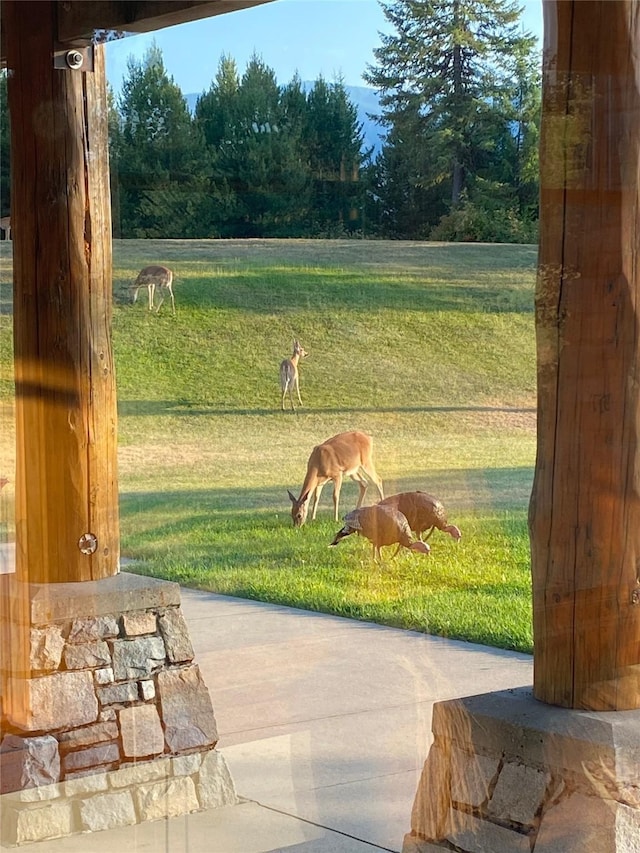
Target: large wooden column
{"type": "Point", "coordinates": [66, 482]}
{"type": "Point", "coordinates": [585, 507]}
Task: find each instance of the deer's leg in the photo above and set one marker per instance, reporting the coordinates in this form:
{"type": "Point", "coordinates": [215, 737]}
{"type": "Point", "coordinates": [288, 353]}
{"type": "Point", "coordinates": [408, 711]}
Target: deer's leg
{"type": "Point", "coordinates": [283, 386]}
{"type": "Point", "coordinates": [173, 301]}
{"type": "Point", "coordinates": [298, 390]}
{"type": "Point", "coordinates": [362, 485]}
{"type": "Point", "coordinates": [286, 388]}
{"type": "Point", "coordinates": [161, 300]}
{"type": "Point", "coordinates": [315, 499]}
{"type": "Point", "coordinates": [371, 473]}
{"type": "Point", "coordinates": [152, 288]}
{"type": "Point", "coordinates": [337, 486]}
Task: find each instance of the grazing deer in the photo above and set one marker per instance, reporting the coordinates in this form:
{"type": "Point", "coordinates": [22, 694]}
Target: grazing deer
{"type": "Point", "coordinates": [289, 379]}
{"type": "Point", "coordinates": [155, 277]}
{"type": "Point", "coordinates": [346, 454]}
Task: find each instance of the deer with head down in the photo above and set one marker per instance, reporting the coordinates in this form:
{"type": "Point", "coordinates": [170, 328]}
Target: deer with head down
{"type": "Point", "coordinates": [155, 277]}
{"type": "Point", "coordinates": [289, 378]}
{"type": "Point", "coordinates": [348, 454]}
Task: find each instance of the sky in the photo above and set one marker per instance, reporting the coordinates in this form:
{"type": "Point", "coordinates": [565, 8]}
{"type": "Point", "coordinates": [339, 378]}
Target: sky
{"type": "Point", "coordinates": [328, 38]}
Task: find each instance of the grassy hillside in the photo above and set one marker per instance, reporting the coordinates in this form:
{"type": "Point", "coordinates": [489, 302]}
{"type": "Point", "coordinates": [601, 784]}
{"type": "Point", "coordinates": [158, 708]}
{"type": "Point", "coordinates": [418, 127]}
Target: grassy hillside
{"type": "Point", "coordinates": [429, 348]}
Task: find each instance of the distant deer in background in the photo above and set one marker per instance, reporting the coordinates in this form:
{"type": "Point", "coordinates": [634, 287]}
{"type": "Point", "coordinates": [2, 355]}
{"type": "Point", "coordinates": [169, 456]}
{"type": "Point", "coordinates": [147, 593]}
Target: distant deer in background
{"type": "Point", "coordinates": [289, 379]}
{"type": "Point", "coordinates": [155, 277]}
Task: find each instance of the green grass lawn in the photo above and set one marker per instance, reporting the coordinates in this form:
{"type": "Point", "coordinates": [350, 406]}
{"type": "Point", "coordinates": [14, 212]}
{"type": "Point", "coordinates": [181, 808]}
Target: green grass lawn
{"type": "Point", "coordinates": [429, 348]}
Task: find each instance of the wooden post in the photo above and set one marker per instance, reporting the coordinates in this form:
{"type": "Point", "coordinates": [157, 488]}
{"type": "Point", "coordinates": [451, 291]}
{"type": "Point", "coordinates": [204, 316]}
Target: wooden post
{"type": "Point", "coordinates": [585, 506]}
{"type": "Point", "coordinates": [66, 481]}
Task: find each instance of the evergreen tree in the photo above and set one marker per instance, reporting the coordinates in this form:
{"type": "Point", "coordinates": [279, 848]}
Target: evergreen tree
{"type": "Point", "coordinates": [216, 109]}
{"type": "Point", "coordinates": [333, 141]}
{"type": "Point", "coordinates": [293, 104]}
{"type": "Point", "coordinates": [115, 148]}
{"type": "Point", "coordinates": [254, 139]}
{"type": "Point", "coordinates": [257, 159]}
{"type": "Point", "coordinates": [406, 205]}
{"type": "Point", "coordinates": [446, 80]}
{"type": "Point", "coordinates": [526, 107]}
{"type": "Point", "coordinates": [267, 181]}
{"type": "Point", "coordinates": [216, 121]}
{"type": "Point", "coordinates": [158, 162]}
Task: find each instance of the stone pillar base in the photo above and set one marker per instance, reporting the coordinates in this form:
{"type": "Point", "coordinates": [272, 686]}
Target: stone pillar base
{"type": "Point", "coordinates": [140, 791]}
{"type": "Point", "coordinates": [509, 774]}
{"type": "Point", "coordinates": [119, 727]}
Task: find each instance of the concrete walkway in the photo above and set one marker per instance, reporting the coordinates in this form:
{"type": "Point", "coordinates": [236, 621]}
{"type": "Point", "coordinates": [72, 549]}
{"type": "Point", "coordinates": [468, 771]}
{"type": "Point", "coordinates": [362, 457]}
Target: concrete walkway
{"type": "Point", "coordinates": [325, 724]}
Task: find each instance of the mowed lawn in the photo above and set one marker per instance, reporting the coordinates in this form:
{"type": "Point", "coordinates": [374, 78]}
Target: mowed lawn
{"type": "Point", "coordinates": [427, 347]}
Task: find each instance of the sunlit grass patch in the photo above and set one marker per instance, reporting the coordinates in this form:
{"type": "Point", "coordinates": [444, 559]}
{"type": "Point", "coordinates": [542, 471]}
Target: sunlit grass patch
{"type": "Point", "coordinates": [477, 589]}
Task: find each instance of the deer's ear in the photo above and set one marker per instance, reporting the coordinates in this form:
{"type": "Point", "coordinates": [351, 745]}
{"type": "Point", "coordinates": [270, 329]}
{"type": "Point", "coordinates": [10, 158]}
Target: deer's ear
{"type": "Point", "coordinates": [292, 497]}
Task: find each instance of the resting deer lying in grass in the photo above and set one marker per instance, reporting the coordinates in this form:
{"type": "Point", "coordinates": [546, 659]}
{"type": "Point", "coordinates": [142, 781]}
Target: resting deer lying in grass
{"type": "Point", "coordinates": [289, 379]}
{"type": "Point", "coordinates": [155, 277]}
{"type": "Point", "coordinates": [348, 454]}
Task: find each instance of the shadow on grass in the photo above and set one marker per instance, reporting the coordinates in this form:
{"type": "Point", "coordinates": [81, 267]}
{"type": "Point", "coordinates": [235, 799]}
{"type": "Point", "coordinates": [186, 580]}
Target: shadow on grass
{"type": "Point", "coordinates": [470, 490]}
{"type": "Point", "coordinates": [263, 275]}
{"type": "Point", "coordinates": [154, 408]}
{"type": "Point", "coordinates": [325, 290]}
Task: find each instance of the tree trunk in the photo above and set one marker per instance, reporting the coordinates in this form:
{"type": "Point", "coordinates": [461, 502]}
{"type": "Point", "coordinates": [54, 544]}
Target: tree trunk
{"type": "Point", "coordinates": [457, 183]}
{"type": "Point", "coordinates": [585, 506]}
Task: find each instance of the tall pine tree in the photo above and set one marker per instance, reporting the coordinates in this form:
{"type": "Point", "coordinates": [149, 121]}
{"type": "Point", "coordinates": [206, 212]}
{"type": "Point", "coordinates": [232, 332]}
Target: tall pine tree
{"type": "Point", "coordinates": [333, 141]}
{"type": "Point", "coordinates": [446, 80]}
{"type": "Point", "coordinates": [271, 180]}
{"type": "Point", "coordinates": [253, 139]}
{"type": "Point", "coordinates": [158, 163]}
{"type": "Point", "coordinates": [217, 121]}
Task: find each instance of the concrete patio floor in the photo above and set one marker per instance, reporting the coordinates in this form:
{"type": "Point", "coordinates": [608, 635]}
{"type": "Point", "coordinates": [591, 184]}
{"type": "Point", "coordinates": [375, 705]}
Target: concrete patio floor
{"type": "Point", "coordinates": [325, 724]}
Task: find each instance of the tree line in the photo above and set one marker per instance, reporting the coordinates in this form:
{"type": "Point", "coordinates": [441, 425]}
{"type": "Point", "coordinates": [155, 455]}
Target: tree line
{"type": "Point", "coordinates": [459, 86]}
{"type": "Point", "coordinates": [254, 160]}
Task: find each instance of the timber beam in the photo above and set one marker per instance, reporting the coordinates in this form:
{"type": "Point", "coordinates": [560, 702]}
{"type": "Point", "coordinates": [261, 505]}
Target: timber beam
{"type": "Point", "coordinates": [80, 20]}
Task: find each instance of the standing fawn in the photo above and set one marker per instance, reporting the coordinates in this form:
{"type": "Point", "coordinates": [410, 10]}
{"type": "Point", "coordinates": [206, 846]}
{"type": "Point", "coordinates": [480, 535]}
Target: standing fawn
{"type": "Point", "coordinates": [289, 379]}
{"type": "Point", "coordinates": [347, 454]}
{"type": "Point", "coordinates": [155, 277]}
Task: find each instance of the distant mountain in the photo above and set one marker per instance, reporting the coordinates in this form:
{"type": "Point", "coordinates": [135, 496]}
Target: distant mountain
{"type": "Point", "coordinates": [367, 103]}
{"type": "Point", "coordinates": [363, 98]}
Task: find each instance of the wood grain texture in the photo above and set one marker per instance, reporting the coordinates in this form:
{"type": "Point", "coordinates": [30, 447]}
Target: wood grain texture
{"type": "Point", "coordinates": [585, 507]}
{"type": "Point", "coordinates": [66, 483]}
{"type": "Point", "coordinates": [78, 19]}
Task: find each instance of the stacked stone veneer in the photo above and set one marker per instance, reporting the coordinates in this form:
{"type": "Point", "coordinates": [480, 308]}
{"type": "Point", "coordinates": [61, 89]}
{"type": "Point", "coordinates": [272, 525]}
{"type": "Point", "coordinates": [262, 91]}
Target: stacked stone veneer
{"type": "Point", "coordinates": [120, 725]}
{"type": "Point", "coordinates": [507, 774]}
